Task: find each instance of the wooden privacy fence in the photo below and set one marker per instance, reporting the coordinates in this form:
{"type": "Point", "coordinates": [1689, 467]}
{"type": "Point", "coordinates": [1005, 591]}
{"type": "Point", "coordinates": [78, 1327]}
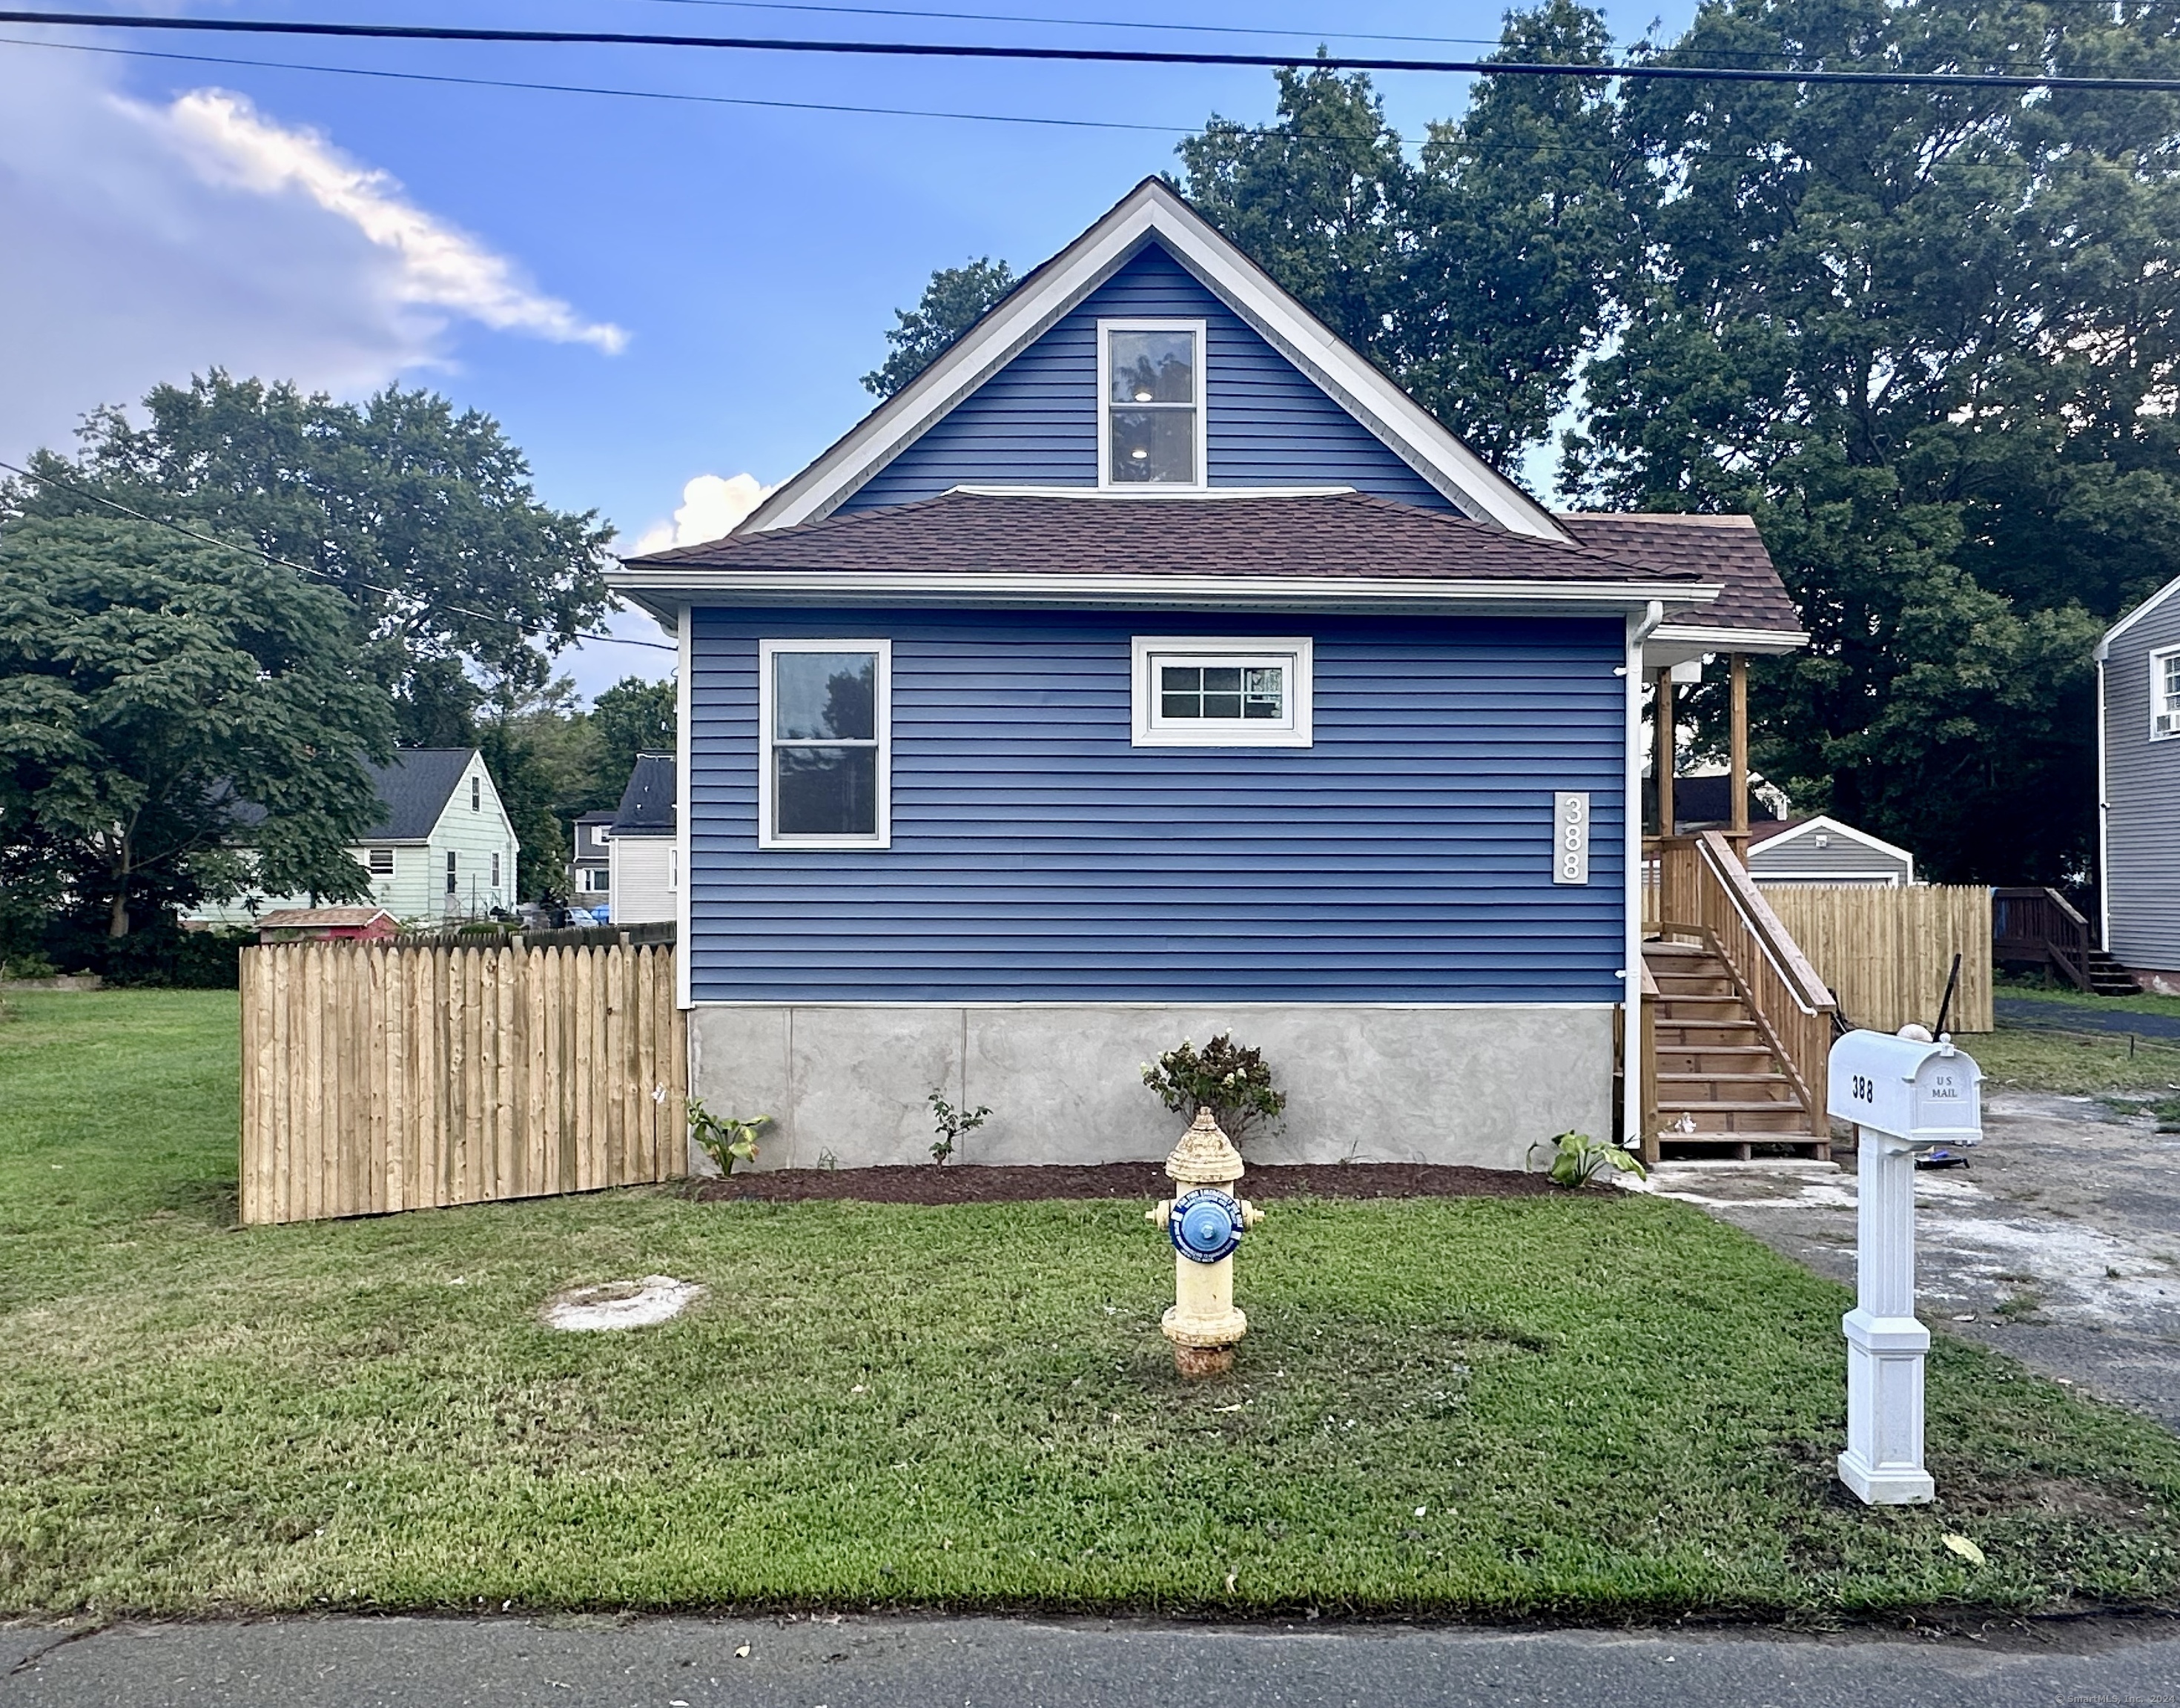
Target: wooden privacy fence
{"type": "Point", "coordinates": [380, 1079]}
{"type": "Point", "coordinates": [1887, 953]}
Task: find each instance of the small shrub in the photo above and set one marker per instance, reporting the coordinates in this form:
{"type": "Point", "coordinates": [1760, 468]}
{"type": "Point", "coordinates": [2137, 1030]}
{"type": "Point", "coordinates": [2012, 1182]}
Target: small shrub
{"type": "Point", "coordinates": [1578, 1159]}
{"type": "Point", "coordinates": [952, 1125]}
{"type": "Point", "coordinates": [727, 1139]}
{"type": "Point", "coordinates": [32, 965]}
{"type": "Point", "coordinates": [1234, 1082]}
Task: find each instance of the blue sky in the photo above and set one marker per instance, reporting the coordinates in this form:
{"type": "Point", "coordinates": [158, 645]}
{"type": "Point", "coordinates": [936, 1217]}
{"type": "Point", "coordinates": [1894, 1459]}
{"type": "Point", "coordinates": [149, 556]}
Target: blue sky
{"type": "Point", "coordinates": [643, 292]}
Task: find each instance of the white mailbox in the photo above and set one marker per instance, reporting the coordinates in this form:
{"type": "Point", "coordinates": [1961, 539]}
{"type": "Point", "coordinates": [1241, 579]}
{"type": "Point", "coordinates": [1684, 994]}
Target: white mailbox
{"type": "Point", "coordinates": [1905, 1096]}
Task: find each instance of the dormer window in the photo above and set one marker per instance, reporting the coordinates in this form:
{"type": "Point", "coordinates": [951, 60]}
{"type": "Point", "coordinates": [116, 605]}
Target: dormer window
{"type": "Point", "coordinates": [1151, 417]}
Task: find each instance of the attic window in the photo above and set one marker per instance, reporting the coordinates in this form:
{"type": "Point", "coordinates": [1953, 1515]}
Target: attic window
{"type": "Point", "coordinates": [476, 794]}
{"type": "Point", "coordinates": [1150, 423]}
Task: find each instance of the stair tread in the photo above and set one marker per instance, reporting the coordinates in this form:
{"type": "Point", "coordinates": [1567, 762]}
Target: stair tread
{"type": "Point", "coordinates": [1728, 1106]}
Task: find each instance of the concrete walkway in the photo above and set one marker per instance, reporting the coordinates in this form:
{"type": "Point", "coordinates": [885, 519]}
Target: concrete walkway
{"type": "Point", "coordinates": [993, 1663]}
{"type": "Point", "coordinates": [2058, 1243]}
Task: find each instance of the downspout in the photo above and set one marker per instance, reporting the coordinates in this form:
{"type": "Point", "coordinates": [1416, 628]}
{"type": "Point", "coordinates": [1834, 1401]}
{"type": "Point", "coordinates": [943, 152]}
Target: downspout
{"type": "Point", "coordinates": [1639, 629]}
{"type": "Point", "coordinates": [683, 740]}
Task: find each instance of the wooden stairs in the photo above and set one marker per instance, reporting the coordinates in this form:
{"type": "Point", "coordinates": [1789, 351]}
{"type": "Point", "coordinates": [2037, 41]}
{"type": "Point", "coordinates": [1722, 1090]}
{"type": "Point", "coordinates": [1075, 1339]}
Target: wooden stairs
{"type": "Point", "coordinates": [1721, 1089]}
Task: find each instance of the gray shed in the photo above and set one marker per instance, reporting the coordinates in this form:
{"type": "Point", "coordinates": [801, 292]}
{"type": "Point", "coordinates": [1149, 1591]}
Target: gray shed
{"type": "Point", "coordinates": [2138, 785]}
{"type": "Point", "coordinates": [1824, 851]}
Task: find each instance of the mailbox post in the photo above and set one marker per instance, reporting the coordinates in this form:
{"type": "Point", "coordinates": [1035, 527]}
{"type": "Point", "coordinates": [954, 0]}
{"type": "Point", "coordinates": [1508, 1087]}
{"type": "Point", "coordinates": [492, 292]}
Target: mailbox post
{"type": "Point", "coordinates": [1904, 1096]}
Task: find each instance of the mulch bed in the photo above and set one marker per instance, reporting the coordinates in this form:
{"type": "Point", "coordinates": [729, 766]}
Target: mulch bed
{"type": "Point", "coordinates": [971, 1183]}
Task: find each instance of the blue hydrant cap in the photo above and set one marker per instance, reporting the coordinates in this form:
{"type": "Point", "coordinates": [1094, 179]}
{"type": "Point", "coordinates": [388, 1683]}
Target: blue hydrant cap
{"type": "Point", "coordinates": [1206, 1224]}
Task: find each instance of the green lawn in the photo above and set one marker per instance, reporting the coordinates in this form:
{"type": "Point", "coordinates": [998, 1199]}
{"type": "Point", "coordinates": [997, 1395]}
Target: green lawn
{"type": "Point", "coordinates": [1570, 1407]}
{"type": "Point", "coordinates": [2082, 1062]}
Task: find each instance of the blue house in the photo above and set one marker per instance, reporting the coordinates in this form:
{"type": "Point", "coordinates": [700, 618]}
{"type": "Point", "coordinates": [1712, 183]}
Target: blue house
{"type": "Point", "coordinates": [1153, 667]}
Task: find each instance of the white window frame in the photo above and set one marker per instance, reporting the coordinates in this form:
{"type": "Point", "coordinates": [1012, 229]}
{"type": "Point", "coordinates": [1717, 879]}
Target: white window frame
{"type": "Point", "coordinates": [766, 650]}
{"type": "Point", "coordinates": [453, 873]}
{"type": "Point", "coordinates": [495, 871]}
{"type": "Point", "coordinates": [1148, 651]}
{"type": "Point", "coordinates": [598, 880]}
{"type": "Point", "coordinates": [372, 857]}
{"type": "Point", "coordinates": [2158, 662]}
{"type": "Point", "coordinates": [476, 794]}
{"type": "Point", "coordinates": [1106, 405]}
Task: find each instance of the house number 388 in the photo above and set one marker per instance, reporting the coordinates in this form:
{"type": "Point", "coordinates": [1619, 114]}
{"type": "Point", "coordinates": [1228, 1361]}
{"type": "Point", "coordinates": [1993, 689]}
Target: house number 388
{"type": "Point", "coordinates": [1571, 837]}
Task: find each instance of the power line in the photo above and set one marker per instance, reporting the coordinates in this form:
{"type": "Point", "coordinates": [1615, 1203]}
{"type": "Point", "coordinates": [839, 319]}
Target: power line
{"type": "Point", "coordinates": [1097, 55]}
{"type": "Point", "coordinates": [282, 563]}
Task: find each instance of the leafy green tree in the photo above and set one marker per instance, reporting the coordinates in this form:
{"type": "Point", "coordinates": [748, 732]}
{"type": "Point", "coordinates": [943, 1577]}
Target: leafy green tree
{"type": "Point", "coordinates": [632, 716]}
{"type": "Point", "coordinates": [461, 584]}
{"type": "Point", "coordinates": [1931, 340]}
{"type": "Point", "coordinates": [955, 300]}
{"type": "Point", "coordinates": [150, 685]}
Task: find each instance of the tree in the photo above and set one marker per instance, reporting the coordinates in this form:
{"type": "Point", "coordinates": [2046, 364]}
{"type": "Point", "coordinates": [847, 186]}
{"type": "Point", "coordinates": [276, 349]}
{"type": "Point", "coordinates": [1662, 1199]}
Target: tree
{"type": "Point", "coordinates": [1931, 339]}
{"type": "Point", "coordinates": [632, 716]}
{"type": "Point", "coordinates": [955, 300]}
{"type": "Point", "coordinates": [461, 584]}
{"type": "Point", "coordinates": [150, 686]}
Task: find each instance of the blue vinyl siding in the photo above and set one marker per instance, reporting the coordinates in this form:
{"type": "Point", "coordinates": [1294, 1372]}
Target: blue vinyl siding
{"type": "Point", "coordinates": [1035, 422]}
{"type": "Point", "coordinates": [1038, 856]}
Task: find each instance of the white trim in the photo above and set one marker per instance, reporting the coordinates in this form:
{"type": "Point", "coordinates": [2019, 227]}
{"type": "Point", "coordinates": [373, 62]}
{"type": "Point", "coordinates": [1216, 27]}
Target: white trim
{"type": "Point", "coordinates": [1295, 654]}
{"type": "Point", "coordinates": [1876, 880]}
{"type": "Point", "coordinates": [1147, 489]}
{"type": "Point", "coordinates": [1711, 637]}
{"type": "Point", "coordinates": [2136, 615]}
{"type": "Point", "coordinates": [767, 838]}
{"type": "Point", "coordinates": [685, 732]}
{"type": "Point", "coordinates": [1127, 592]}
{"type": "Point", "coordinates": [1833, 826]}
{"type": "Point", "coordinates": [2104, 819]}
{"type": "Point", "coordinates": [1153, 209]}
{"type": "Point", "coordinates": [2157, 663]}
{"type": "Point", "coordinates": [1200, 452]}
{"type": "Point", "coordinates": [1639, 631]}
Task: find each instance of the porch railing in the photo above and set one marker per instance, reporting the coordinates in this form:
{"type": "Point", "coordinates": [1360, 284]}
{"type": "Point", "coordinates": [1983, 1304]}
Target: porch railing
{"type": "Point", "coordinates": [2041, 925]}
{"type": "Point", "coordinates": [1694, 888]}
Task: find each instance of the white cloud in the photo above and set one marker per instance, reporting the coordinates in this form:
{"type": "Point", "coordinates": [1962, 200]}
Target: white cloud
{"type": "Point", "coordinates": [141, 242]}
{"type": "Point", "coordinates": [711, 508]}
{"type": "Point", "coordinates": [229, 144]}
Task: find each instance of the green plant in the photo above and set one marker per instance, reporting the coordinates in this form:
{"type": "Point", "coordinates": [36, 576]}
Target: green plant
{"type": "Point", "coordinates": [727, 1139]}
{"type": "Point", "coordinates": [32, 965]}
{"type": "Point", "coordinates": [952, 1125]}
{"type": "Point", "coordinates": [1578, 1159]}
{"type": "Point", "coordinates": [1233, 1081]}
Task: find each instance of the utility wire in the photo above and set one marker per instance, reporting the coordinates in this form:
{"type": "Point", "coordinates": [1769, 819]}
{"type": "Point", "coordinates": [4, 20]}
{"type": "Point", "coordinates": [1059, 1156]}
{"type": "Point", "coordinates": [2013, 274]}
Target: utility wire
{"type": "Point", "coordinates": [282, 563]}
{"type": "Point", "coordinates": [1097, 55]}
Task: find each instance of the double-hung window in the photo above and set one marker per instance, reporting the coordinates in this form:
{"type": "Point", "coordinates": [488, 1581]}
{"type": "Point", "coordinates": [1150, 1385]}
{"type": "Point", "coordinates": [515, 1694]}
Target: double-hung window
{"type": "Point", "coordinates": [381, 862]}
{"type": "Point", "coordinates": [1193, 691]}
{"type": "Point", "coordinates": [1150, 415]}
{"type": "Point", "coordinates": [2165, 695]}
{"type": "Point", "coordinates": [824, 778]}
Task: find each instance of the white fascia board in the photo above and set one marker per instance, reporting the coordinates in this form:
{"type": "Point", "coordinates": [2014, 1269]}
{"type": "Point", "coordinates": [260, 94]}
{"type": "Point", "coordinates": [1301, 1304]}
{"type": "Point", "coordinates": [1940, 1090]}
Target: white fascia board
{"type": "Point", "coordinates": [1876, 844]}
{"type": "Point", "coordinates": [1152, 495]}
{"type": "Point", "coordinates": [1690, 639]}
{"type": "Point", "coordinates": [2136, 616]}
{"type": "Point", "coordinates": [1153, 211]}
{"type": "Point", "coordinates": [824, 587]}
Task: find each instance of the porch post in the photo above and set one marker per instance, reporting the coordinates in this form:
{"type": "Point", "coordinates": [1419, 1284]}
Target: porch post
{"type": "Point", "coordinates": [1737, 758]}
{"type": "Point", "coordinates": [1661, 719]}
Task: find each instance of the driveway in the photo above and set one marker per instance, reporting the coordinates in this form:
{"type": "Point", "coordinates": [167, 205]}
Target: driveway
{"type": "Point", "coordinates": [2078, 1017]}
{"type": "Point", "coordinates": [2058, 1243]}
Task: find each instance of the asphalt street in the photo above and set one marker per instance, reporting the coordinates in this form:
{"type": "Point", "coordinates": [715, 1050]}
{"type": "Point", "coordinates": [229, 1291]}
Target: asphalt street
{"type": "Point", "coordinates": [878, 1663]}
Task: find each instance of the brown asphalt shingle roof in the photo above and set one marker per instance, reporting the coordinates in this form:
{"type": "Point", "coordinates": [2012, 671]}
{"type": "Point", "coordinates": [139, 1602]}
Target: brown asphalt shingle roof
{"type": "Point", "coordinates": [1725, 549]}
{"type": "Point", "coordinates": [1344, 533]}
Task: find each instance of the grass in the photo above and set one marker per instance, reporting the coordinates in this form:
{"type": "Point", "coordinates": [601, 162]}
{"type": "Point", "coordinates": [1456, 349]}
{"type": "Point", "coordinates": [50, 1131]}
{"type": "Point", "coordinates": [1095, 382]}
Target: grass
{"type": "Point", "coordinates": [1576, 1407]}
{"type": "Point", "coordinates": [2082, 1063]}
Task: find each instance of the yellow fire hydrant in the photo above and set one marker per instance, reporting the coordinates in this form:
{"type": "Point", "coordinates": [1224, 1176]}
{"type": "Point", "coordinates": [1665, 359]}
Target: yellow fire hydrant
{"type": "Point", "coordinates": [1205, 1221]}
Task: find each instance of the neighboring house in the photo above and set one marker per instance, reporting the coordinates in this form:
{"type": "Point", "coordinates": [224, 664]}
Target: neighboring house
{"type": "Point", "coordinates": [2139, 788]}
{"type": "Point", "coordinates": [646, 852]}
{"type": "Point", "coordinates": [442, 847]}
{"type": "Point", "coordinates": [1824, 851]}
{"type": "Point", "coordinates": [1153, 667]}
{"type": "Point", "coordinates": [326, 924]}
{"type": "Point", "coordinates": [590, 872]}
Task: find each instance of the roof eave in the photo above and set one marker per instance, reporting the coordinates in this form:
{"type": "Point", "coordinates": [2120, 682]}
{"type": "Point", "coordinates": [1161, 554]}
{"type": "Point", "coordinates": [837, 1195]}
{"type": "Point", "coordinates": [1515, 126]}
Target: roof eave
{"type": "Point", "coordinates": [828, 587]}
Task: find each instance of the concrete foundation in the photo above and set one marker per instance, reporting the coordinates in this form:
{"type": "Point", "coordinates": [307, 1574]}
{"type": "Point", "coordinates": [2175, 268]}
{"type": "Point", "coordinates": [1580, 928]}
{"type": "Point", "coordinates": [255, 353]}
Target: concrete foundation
{"type": "Point", "coordinates": [848, 1084]}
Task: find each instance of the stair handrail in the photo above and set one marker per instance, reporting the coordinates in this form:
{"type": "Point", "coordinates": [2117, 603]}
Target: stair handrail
{"type": "Point", "coordinates": [1810, 992]}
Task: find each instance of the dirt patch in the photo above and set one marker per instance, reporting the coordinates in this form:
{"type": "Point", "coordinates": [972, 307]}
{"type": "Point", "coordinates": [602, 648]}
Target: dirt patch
{"type": "Point", "coordinates": [973, 1182]}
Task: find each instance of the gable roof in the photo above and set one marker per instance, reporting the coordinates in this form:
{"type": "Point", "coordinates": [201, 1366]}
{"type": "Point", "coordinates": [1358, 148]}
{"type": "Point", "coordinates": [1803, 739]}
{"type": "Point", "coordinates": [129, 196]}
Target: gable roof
{"type": "Point", "coordinates": [646, 805]}
{"type": "Point", "coordinates": [1772, 837]}
{"type": "Point", "coordinates": [414, 790]}
{"type": "Point", "coordinates": [2135, 616]}
{"type": "Point", "coordinates": [1154, 211]}
{"type": "Point", "coordinates": [1725, 549]}
{"type": "Point", "coordinates": [1031, 546]}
